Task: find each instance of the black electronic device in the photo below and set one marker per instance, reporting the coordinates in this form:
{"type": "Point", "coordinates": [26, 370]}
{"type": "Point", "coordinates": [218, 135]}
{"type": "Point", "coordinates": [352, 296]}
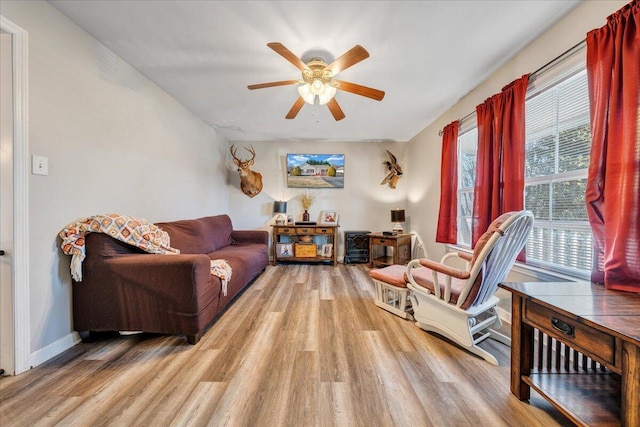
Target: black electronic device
{"type": "Point", "coordinates": [305, 222]}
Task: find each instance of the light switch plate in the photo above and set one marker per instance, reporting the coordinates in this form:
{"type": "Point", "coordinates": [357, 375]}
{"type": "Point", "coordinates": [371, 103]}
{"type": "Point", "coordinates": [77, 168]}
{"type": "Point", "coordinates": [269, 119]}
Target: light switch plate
{"type": "Point", "coordinates": [39, 165]}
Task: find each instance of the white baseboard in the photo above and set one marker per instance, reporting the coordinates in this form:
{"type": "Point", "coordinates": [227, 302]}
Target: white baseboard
{"type": "Point", "coordinates": [55, 348]}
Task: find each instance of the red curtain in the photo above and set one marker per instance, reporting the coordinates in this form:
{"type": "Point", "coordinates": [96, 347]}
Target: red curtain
{"type": "Point", "coordinates": [499, 185]}
{"type": "Point", "coordinates": [613, 183]}
{"type": "Point", "coordinates": [447, 231]}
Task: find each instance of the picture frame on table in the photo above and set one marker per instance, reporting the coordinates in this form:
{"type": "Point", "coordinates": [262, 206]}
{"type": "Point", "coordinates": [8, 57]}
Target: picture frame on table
{"type": "Point", "coordinates": [327, 250]}
{"type": "Point", "coordinates": [329, 218]}
{"type": "Point", "coordinates": [284, 250]}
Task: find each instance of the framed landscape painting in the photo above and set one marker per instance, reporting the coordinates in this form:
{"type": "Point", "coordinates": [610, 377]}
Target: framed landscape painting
{"type": "Point", "coordinates": [315, 170]}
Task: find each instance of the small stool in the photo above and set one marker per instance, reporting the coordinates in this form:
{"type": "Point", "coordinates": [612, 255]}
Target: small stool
{"type": "Point", "coordinates": [392, 293]}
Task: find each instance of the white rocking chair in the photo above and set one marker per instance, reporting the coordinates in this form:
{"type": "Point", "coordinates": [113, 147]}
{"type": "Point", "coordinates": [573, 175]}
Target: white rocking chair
{"type": "Point", "coordinates": [463, 305]}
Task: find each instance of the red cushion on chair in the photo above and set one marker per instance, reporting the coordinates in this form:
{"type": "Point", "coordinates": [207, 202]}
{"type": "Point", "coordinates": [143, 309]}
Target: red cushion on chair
{"type": "Point", "coordinates": [392, 274]}
{"type": "Point", "coordinates": [493, 227]}
{"type": "Point", "coordinates": [424, 277]}
{"type": "Point", "coordinates": [480, 244]}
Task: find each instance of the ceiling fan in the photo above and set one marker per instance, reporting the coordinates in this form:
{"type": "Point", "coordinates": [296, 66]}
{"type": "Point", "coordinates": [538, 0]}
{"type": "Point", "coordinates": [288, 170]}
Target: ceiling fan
{"type": "Point", "coordinates": [317, 80]}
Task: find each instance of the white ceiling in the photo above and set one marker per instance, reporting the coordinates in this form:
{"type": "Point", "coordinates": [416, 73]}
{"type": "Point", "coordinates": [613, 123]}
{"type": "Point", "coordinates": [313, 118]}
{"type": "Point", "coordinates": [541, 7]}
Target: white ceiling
{"type": "Point", "coordinates": [425, 55]}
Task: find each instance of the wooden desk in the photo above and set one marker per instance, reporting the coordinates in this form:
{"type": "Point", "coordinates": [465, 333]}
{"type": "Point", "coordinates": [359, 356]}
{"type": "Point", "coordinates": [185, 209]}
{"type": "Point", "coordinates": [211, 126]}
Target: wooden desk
{"type": "Point", "coordinates": [400, 245]}
{"type": "Point", "coordinates": [598, 383]}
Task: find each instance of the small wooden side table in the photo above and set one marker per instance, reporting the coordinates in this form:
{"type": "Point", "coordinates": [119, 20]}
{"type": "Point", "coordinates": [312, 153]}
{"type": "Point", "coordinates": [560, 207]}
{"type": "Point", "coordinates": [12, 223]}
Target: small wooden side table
{"type": "Point", "coordinates": [400, 245]}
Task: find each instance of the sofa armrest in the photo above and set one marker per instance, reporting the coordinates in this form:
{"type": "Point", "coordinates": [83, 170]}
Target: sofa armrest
{"type": "Point", "coordinates": [250, 236]}
{"type": "Point", "coordinates": [163, 274]}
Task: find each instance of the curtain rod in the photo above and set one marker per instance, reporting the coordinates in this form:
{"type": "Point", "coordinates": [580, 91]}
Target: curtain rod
{"type": "Point", "coordinates": [538, 71]}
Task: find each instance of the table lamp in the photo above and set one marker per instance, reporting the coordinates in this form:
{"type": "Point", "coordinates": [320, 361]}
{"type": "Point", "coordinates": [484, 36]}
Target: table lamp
{"type": "Point", "coordinates": [280, 208]}
{"type": "Point", "coordinates": [397, 216]}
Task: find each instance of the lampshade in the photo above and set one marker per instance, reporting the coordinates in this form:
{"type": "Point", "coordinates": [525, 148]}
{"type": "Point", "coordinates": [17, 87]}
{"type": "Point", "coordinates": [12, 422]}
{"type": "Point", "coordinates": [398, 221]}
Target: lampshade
{"type": "Point", "coordinates": [279, 207]}
{"type": "Point", "coordinates": [397, 215]}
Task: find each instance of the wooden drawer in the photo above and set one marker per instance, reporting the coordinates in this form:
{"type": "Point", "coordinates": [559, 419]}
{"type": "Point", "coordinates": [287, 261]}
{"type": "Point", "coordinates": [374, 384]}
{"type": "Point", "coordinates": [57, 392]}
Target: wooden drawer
{"type": "Point", "coordinates": [594, 343]}
{"type": "Point", "coordinates": [305, 230]}
{"type": "Point", "coordinates": [321, 230]}
{"type": "Point", "coordinates": [285, 230]}
{"type": "Point", "coordinates": [382, 241]}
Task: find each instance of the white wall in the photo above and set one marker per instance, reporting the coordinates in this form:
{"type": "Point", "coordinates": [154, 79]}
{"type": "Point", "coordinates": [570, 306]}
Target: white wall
{"type": "Point", "coordinates": [425, 148]}
{"type": "Point", "coordinates": [363, 204]}
{"type": "Point", "coordinates": [115, 143]}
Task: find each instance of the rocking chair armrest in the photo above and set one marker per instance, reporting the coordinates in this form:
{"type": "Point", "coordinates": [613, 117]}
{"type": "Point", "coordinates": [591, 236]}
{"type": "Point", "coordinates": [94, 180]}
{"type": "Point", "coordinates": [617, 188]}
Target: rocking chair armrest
{"type": "Point", "coordinates": [465, 256]}
{"type": "Point", "coordinates": [445, 269]}
{"type": "Point", "coordinates": [456, 256]}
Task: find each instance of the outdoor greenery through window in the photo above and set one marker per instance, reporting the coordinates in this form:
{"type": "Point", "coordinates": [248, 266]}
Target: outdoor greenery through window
{"type": "Point", "coordinates": [467, 153]}
{"type": "Point", "coordinates": [558, 142]}
{"type": "Point", "coordinates": [557, 158]}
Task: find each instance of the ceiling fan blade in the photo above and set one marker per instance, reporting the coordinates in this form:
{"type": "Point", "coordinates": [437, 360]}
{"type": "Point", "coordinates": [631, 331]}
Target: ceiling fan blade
{"type": "Point", "coordinates": [288, 55]}
{"type": "Point", "coordinates": [335, 109]}
{"type": "Point", "coordinates": [295, 109]}
{"type": "Point", "coordinates": [271, 84]}
{"type": "Point", "coordinates": [351, 57]}
{"type": "Point", "coordinates": [369, 92]}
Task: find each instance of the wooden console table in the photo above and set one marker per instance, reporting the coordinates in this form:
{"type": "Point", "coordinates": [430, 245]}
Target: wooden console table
{"type": "Point", "coordinates": [290, 235]}
{"type": "Point", "coordinates": [596, 380]}
{"type": "Point", "coordinates": [400, 245]}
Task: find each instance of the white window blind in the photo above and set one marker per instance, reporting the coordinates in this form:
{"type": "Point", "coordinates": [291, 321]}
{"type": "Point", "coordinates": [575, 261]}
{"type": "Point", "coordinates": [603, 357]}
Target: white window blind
{"type": "Point", "coordinates": [558, 142]}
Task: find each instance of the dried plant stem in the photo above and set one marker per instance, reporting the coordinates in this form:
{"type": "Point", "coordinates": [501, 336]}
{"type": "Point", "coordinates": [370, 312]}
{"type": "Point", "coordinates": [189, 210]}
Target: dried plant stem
{"type": "Point", "coordinates": [306, 200]}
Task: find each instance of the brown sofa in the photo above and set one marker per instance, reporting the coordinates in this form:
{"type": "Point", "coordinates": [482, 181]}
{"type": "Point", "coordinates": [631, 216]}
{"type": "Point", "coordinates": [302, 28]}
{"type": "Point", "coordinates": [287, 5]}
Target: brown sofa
{"type": "Point", "coordinates": [126, 289]}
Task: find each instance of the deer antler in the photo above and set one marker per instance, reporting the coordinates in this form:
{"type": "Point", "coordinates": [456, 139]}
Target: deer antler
{"type": "Point", "coordinates": [252, 151]}
{"type": "Point", "coordinates": [233, 152]}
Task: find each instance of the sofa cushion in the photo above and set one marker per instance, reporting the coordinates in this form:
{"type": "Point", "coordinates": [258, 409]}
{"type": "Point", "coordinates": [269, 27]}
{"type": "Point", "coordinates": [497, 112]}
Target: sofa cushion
{"type": "Point", "coordinates": [199, 236]}
{"type": "Point", "coordinates": [247, 260]}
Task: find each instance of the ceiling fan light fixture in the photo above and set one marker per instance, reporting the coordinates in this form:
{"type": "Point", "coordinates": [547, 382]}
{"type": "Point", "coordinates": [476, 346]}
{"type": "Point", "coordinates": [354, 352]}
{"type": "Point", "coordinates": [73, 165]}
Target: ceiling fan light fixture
{"type": "Point", "coordinates": [317, 87]}
{"type": "Point", "coordinates": [305, 92]}
{"type": "Point", "coordinates": [326, 95]}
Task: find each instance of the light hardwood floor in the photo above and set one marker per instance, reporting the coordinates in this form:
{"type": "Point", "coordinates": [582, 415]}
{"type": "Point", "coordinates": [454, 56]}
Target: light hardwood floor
{"type": "Point", "coordinates": [304, 345]}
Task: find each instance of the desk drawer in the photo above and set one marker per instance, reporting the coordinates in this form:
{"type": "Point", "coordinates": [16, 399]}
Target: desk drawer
{"type": "Point", "coordinates": [592, 342]}
{"type": "Point", "coordinates": [305, 230]}
{"type": "Point", "coordinates": [285, 230]}
{"type": "Point", "coordinates": [321, 230]}
{"type": "Point", "coordinates": [382, 241]}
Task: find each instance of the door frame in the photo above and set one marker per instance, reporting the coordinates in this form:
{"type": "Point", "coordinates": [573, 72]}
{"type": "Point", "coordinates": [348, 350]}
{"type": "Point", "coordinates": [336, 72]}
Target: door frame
{"type": "Point", "coordinates": [19, 318]}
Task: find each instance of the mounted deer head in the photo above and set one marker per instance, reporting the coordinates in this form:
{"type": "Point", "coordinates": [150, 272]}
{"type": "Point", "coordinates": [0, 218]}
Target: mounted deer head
{"type": "Point", "coordinates": [250, 181]}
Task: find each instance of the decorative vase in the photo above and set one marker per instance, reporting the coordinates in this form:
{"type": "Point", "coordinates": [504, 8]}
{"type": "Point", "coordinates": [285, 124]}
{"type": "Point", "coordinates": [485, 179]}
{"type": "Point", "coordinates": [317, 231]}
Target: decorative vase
{"type": "Point", "coordinates": [305, 215]}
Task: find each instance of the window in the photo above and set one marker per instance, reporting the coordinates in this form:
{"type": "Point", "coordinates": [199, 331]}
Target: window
{"type": "Point", "coordinates": [558, 143]}
{"type": "Point", "coordinates": [557, 159]}
{"type": "Point", "coordinates": [467, 154]}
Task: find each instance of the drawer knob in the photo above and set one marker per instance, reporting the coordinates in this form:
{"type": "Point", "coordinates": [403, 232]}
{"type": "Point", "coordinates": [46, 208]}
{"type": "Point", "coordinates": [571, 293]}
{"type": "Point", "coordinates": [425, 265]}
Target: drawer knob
{"type": "Point", "coordinates": [562, 326]}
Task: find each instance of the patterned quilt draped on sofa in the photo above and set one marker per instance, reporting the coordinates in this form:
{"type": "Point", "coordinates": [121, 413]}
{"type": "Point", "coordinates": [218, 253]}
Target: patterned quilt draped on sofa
{"type": "Point", "coordinates": [137, 232]}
